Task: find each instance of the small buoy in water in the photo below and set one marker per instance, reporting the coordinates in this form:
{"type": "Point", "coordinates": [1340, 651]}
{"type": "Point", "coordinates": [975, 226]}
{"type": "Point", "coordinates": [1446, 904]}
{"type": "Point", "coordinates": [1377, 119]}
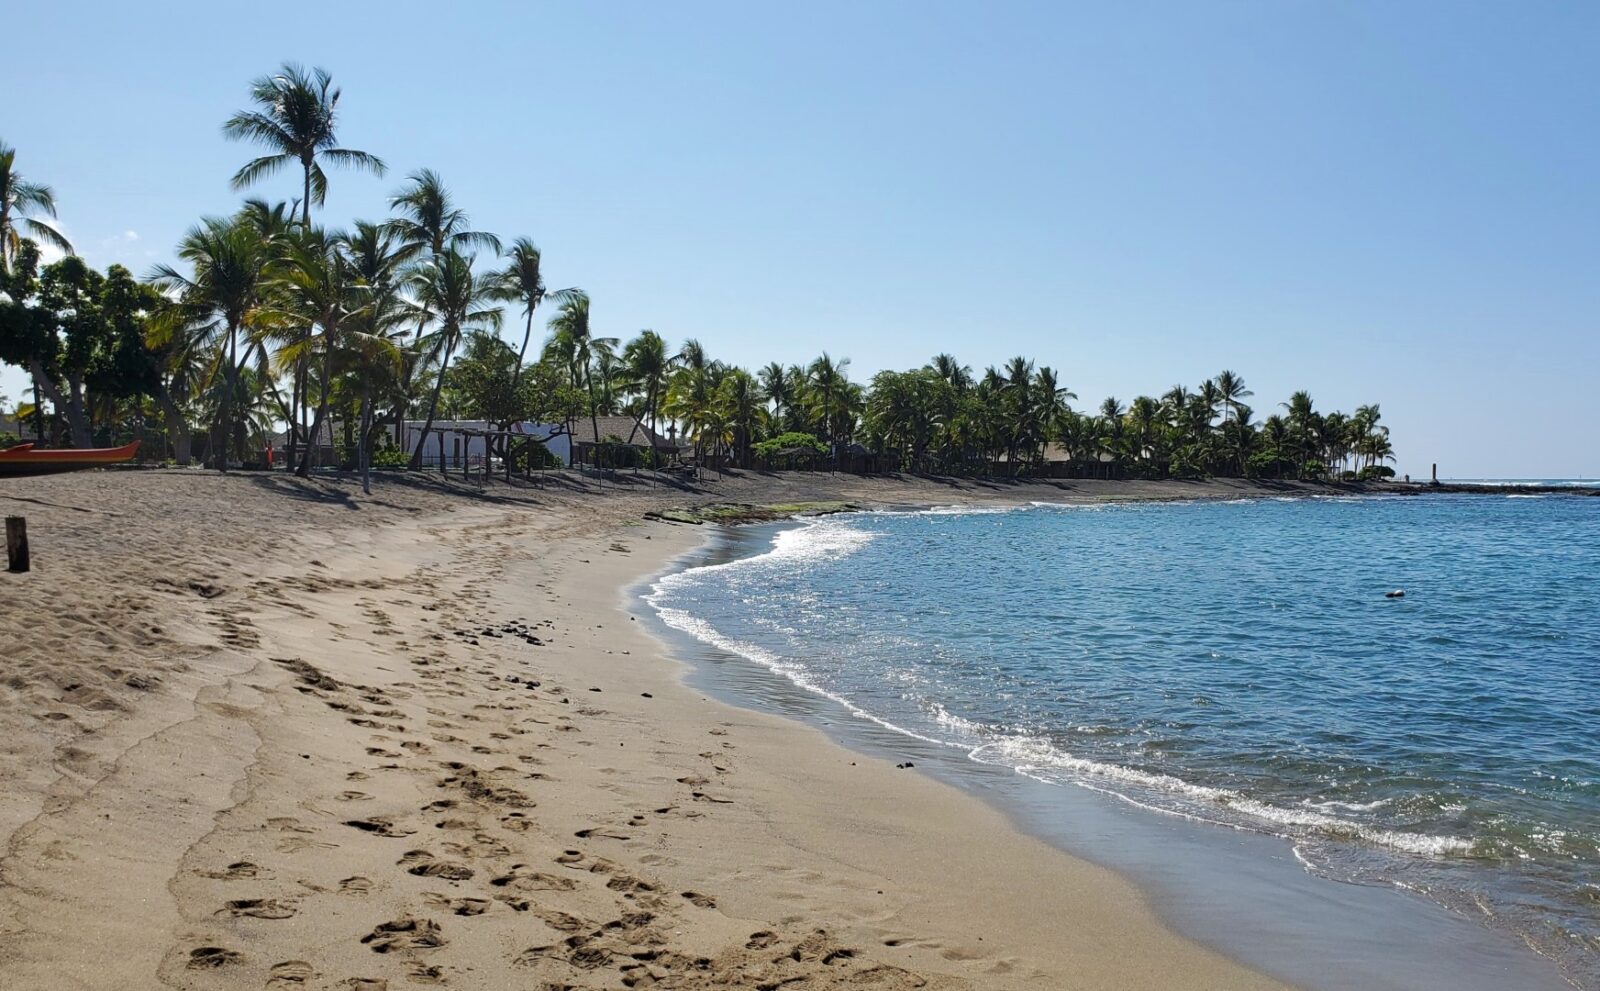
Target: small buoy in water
{"type": "Point", "coordinates": [1398, 593]}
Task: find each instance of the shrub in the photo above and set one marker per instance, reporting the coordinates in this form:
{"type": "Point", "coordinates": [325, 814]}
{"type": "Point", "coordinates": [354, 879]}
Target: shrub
{"type": "Point", "coordinates": [793, 439]}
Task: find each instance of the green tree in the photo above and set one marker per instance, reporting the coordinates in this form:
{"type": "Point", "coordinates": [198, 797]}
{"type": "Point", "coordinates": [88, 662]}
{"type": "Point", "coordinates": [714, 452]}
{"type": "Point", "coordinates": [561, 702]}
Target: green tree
{"type": "Point", "coordinates": [295, 116]}
{"type": "Point", "coordinates": [646, 366]}
{"type": "Point", "coordinates": [216, 307]}
{"type": "Point", "coordinates": [19, 199]}
{"type": "Point", "coordinates": [457, 300]}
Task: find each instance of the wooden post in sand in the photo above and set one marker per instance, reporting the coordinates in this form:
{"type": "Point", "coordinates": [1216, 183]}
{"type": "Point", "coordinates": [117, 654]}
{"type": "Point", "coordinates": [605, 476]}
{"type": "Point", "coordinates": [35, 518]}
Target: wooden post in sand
{"type": "Point", "coordinates": [17, 544]}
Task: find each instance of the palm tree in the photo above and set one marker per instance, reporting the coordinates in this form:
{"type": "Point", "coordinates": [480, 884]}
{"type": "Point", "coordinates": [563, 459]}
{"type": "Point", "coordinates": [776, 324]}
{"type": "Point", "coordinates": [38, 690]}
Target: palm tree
{"type": "Point", "coordinates": [828, 377]}
{"type": "Point", "coordinates": [295, 118]}
{"type": "Point", "coordinates": [571, 324]}
{"type": "Point", "coordinates": [215, 305]}
{"type": "Point", "coordinates": [775, 384]}
{"type": "Point", "coordinates": [742, 405]}
{"type": "Point", "coordinates": [429, 221]}
{"type": "Point", "coordinates": [522, 281]}
{"type": "Point", "coordinates": [320, 290]}
{"type": "Point", "coordinates": [18, 199]}
{"type": "Point", "coordinates": [374, 337]}
{"type": "Point", "coordinates": [457, 300]}
{"type": "Point", "coordinates": [646, 366]}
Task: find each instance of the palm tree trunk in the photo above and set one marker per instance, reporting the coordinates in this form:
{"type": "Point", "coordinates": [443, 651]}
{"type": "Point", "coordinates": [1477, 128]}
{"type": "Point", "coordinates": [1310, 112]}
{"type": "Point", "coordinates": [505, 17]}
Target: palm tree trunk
{"type": "Point", "coordinates": [305, 204]}
{"type": "Point", "coordinates": [229, 378]}
{"type": "Point", "coordinates": [594, 417]}
{"type": "Point", "coordinates": [322, 411]}
{"type": "Point", "coordinates": [177, 426]}
{"type": "Point", "coordinates": [516, 378]}
{"type": "Point", "coordinates": [433, 408]}
{"type": "Point", "coordinates": [364, 444]}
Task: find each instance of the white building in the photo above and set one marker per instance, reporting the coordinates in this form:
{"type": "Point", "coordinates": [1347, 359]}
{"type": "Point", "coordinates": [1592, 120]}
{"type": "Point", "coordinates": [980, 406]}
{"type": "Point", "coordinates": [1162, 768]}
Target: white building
{"type": "Point", "coordinates": [462, 443]}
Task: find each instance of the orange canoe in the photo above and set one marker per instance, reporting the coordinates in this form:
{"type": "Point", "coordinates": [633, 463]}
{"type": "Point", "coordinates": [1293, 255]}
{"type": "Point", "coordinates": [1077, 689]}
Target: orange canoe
{"type": "Point", "coordinates": [25, 459]}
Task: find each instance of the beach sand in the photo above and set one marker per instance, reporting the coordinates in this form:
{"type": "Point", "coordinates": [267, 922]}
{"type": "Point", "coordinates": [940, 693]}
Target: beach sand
{"type": "Point", "coordinates": [264, 733]}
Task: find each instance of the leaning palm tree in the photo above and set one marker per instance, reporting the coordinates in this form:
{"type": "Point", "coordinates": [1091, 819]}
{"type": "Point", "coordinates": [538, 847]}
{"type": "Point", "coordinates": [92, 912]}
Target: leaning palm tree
{"type": "Point", "coordinates": [457, 300]}
{"type": "Point", "coordinates": [18, 199]}
{"type": "Point", "coordinates": [295, 117]}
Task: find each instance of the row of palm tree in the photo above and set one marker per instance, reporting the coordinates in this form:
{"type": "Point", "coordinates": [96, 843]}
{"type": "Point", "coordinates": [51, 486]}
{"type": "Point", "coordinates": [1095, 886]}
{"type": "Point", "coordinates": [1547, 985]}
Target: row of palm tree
{"type": "Point", "coordinates": [272, 319]}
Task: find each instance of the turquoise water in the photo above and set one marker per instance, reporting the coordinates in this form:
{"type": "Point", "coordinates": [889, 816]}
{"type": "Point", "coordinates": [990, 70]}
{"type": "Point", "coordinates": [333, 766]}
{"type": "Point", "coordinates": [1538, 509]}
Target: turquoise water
{"type": "Point", "coordinates": [1235, 663]}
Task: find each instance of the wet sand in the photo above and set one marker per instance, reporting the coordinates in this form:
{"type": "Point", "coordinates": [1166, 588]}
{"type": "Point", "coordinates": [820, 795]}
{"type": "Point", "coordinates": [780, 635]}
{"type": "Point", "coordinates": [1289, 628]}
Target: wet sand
{"type": "Point", "coordinates": [267, 733]}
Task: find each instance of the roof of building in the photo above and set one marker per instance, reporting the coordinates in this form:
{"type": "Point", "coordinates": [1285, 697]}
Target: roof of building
{"type": "Point", "coordinates": [622, 427]}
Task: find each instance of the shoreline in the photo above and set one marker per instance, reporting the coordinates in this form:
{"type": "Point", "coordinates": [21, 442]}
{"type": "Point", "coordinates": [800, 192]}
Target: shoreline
{"type": "Point", "coordinates": [266, 732]}
{"type": "Point", "coordinates": [1240, 891]}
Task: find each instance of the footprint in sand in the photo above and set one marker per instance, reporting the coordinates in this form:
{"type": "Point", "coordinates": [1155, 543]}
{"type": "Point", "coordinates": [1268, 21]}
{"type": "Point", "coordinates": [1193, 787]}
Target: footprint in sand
{"type": "Point", "coordinates": [258, 908]}
{"type": "Point", "coordinates": [761, 940]}
{"type": "Point", "coordinates": [239, 870]}
{"type": "Point", "coordinates": [355, 886]}
{"type": "Point", "coordinates": [424, 864]}
{"type": "Point", "coordinates": [353, 796]}
{"type": "Point", "coordinates": [458, 906]}
{"type": "Point", "coordinates": [405, 933]}
{"type": "Point", "coordinates": [290, 974]}
{"type": "Point", "coordinates": [422, 973]}
{"type": "Point", "coordinates": [212, 957]}
{"type": "Point", "coordinates": [520, 879]}
{"type": "Point", "coordinates": [700, 901]}
{"type": "Point", "coordinates": [379, 825]}
{"type": "Point", "coordinates": [562, 921]}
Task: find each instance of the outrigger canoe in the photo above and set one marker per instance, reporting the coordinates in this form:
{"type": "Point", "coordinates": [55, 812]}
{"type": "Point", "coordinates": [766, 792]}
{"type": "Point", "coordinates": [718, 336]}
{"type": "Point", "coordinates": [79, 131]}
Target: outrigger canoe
{"type": "Point", "coordinates": [25, 459]}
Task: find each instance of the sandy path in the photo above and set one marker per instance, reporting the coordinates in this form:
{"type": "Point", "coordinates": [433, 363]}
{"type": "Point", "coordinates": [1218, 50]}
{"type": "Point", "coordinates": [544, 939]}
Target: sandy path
{"type": "Point", "coordinates": [414, 740]}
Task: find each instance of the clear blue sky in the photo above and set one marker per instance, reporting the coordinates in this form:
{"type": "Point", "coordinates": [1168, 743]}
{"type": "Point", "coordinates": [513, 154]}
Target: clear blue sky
{"type": "Point", "coordinates": [1378, 202]}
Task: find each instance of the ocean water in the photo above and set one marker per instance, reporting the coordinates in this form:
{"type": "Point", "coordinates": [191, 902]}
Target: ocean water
{"type": "Point", "coordinates": [1238, 664]}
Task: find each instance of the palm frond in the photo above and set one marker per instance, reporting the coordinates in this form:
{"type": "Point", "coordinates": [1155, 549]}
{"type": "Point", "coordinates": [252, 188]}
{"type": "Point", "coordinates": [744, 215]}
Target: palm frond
{"type": "Point", "coordinates": [250, 125]}
{"type": "Point", "coordinates": [46, 234]}
{"type": "Point", "coordinates": [258, 169]}
{"type": "Point", "coordinates": [356, 159]}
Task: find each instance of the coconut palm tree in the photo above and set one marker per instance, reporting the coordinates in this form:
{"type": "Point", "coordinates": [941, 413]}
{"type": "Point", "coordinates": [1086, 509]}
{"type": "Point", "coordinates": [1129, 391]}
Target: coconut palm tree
{"type": "Point", "coordinates": [374, 336]}
{"type": "Point", "coordinates": [522, 281]}
{"type": "Point", "coordinates": [216, 306]}
{"type": "Point", "coordinates": [427, 224]}
{"type": "Point", "coordinates": [430, 222]}
{"type": "Point", "coordinates": [646, 365]}
{"type": "Point", "coordinates": [827, 376]}
{"type": "Point", "coordinates": [743, 406]}
{"type": "Point", "coordinates": [775, 384]}
{"type": "Point", "coordinates": [18, 199]}
{"type": "Point", "coordinates": [296, 117]}
{"type": "Point", "coordinates": [456, 300]}
{"type": "Point", "coordinates": [571, 325]}
{"type": "Point", "coordinates": [320, 290]}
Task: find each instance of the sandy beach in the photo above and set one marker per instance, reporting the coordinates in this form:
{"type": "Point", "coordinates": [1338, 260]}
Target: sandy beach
{"type": "Point", "coordinates": [268, 733]}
